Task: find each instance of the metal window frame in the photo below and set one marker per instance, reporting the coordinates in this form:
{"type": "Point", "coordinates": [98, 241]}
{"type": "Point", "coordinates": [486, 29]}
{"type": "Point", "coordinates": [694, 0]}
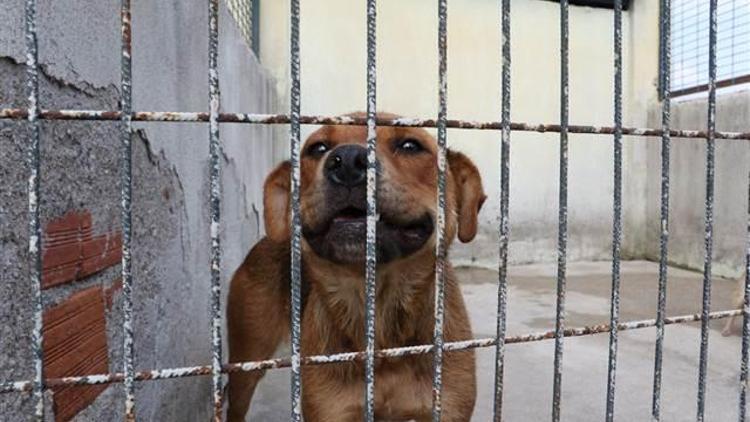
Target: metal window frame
{"type": "Point", "coordinates": [665, 66]}
{"type": "Point", "coordinates": [34, 115]}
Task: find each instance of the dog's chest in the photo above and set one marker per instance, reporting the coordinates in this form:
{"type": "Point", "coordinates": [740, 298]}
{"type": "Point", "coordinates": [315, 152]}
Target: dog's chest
{"type": "Point", "coordinates": [403, 392]}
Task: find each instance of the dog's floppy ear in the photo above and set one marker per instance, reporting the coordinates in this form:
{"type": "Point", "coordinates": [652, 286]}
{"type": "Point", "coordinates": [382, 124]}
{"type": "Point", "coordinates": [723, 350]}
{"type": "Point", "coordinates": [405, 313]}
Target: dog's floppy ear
{"type": "Point", "coordinates": [276, 202]}
{"type": "Point", "coordinates": [469, 194]}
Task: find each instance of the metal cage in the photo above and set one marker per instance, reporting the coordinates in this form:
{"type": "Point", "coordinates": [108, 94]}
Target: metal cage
{"type": "Point", "coordinates": [34, 116]}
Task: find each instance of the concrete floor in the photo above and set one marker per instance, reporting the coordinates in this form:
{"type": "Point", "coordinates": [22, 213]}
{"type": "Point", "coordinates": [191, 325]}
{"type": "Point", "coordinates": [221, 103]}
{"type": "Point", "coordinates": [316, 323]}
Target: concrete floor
{"type": "Point", "coordinates": [528, 373]}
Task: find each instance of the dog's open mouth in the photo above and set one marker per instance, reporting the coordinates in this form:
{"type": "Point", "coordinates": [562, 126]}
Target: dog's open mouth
{"type": "Point", "coordinates": [343, 237]}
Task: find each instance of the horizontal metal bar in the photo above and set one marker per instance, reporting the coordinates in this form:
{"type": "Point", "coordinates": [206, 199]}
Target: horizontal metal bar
{"type": "Point", "coordinates": [285, 362]}
{"type": "Point", "coordinates": [269, 119]}
{"type": "Point", "coordinates": [734, 80]}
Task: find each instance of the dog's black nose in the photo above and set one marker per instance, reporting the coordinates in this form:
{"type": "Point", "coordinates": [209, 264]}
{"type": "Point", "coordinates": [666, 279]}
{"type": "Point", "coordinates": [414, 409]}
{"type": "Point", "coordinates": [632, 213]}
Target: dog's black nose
{"type": "Point", "coordinates": [347, 165]}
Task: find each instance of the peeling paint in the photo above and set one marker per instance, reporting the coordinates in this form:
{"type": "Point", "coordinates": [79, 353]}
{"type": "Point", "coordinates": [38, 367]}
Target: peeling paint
{"type": "Point", "coordinates": [709, 217]}
{"type": "Point", "coordinates": [274, 119]}
{"type": "Point", "coordinates": [665, 64]}
{"type": "Point", "coordinates": [504, 223]}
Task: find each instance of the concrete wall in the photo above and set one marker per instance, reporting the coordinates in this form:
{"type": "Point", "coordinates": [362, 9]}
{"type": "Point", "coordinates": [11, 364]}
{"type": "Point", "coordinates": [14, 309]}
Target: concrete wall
{"type": "Point", "coordinates": [80, 61]}
{"type": "Point", "coordinates": [333, 41]}
{"type": "Point", "coordinates": [688, 185]}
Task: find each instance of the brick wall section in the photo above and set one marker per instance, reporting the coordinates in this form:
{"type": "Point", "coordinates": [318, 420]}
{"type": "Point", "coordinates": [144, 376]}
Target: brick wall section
{"type": "Point", "coordinates": [75, 336]}
{"type": "Point", "coordinates": [75, 343]}
{"type": "Point", "coordinates": [72, 251]}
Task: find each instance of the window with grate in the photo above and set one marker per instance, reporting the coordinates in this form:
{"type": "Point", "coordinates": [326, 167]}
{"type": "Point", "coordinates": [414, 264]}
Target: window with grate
{"type": "Point", "coordinates": [245, 14]}
{"type": "Point", "coordinates": [689, 64]}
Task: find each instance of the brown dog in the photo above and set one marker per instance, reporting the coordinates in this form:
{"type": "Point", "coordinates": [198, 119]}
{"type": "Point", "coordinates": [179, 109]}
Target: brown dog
{"type": "Point", "coordinates": [333, 191]}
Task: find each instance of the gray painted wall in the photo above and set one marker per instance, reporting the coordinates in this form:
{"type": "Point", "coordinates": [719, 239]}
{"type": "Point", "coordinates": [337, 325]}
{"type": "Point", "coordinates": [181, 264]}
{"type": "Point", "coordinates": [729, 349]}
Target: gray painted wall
{"type": "Point", "coordinates": [688, 186]}
{"type": "Point", "coordinates": [80, 61]}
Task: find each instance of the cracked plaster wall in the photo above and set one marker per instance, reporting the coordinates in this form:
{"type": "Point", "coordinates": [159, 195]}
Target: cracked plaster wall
{"type": "Point", "coordinates": [79, 54]}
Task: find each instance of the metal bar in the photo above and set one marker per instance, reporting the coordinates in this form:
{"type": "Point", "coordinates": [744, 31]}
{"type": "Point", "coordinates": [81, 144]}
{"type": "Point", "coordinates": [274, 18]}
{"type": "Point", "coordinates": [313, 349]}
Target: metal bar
{"type": "Point", "coordinates": [126, 185]}
{"type": "Point", "coordinates": [711, 129]}
{"type": "Point", "coordinates": [745, 323]}
{"type": "Point", "coordinates": [616, 216]}
{"type": "Point", "coordinates": [286, 362]}
{"type": "Point", "coordinates": [372, 214]}
{"type": "Point", "coordinates": [562, 225]}
{"type": "Point", "coordinates": [664, 69]}
{"type": "Point", "coordinates": [296, 234]}
{"type": "Point", "coordinates": [734, 80]}
{"type": "Point", "coordinates": [440, 249]}
{"type": "Point", "coordinates": [35, 235]}
{"type": "Point", "coordinates": [215, 202]}
{"type": "Point", "coordinates": [273, 119]}
{"type": "Point", "coordinates": [504, 227]}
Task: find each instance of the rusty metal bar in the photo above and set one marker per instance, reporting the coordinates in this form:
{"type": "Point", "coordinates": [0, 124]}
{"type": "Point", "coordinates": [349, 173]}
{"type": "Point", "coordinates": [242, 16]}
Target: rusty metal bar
{"type": "Point", "coordinates": [215, 203]}
{"type": "Point", "coordinates": [745, 322]}
{"type": "Point", "coordinates": [372, 214]}
{"type": "Point", "coordinates": [35, 235]}
{"type": "Point", "coordinates": [504, 226]}
{"type": "Point", "coordinates": [273, 119]}
{"type": "Point", "coordinates": [296, 235]}
{"type": "Point", "coordinates": [710, 147]}
{"type": "Point", "coordinates": [440, 247]}
{"type": "Point", "coordinates": [562, 225]}
{"type": "Point", "coordinates": [664, 69]}
{"type": "Point", "coordinates": [616, 217]}
{"type": "Point", "coordinates": [286, 362]}
{"type": "Point", "coordinates": [126, 185]}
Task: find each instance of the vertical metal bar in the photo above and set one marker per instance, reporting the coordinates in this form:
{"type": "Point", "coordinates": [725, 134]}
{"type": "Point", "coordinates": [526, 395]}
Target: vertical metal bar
{"type": "Point", "coordinates": [126, 107]}
{"type": "Point", "coordinates": [562, 225]}
{"type": "Point", "coordinates": [711, 135]}
{"type": "Point", "coordinates": [35, 239]}
{"type": "Point", "coordinates": [504, 229]}
{"type": "Point", "coordinates": [296, 258]}
{"type": "Point", "coordinates": [440, 252]}
{"type": "Point", "coordinates": [665, 58]}
{"type": "Point", "coordinates": [745, 323]}
{"type": "Point", "coordinates": [372, 214]}
{"type": "Point", "coordinates": [215, 203]}
{"type": "Point", "coordinates": [616, 216]}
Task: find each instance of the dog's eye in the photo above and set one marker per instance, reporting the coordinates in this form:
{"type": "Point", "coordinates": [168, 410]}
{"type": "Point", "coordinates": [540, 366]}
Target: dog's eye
{"type": "Point", "coordinates": [409, 146]}
{"type": "Point", "coordinates": [317, 149]}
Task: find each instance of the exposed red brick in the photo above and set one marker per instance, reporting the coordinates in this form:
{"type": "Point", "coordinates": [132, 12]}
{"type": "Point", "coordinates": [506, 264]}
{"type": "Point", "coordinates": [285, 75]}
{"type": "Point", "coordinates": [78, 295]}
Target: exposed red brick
{"type": "Point", "coordinates": [72, 252]}
{"type": "Point", "coordinates": [75, 343]}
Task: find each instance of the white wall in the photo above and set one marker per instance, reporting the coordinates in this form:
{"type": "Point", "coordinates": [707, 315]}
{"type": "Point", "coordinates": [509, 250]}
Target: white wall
{"type": "Point", "coordinates": [688, 186]}
{"type": "Point", "coordinates": [333, 63]}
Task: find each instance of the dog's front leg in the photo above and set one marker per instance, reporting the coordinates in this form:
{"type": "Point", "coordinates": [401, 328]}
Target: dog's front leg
{"type": "Point", "coordinates": [257, 319]}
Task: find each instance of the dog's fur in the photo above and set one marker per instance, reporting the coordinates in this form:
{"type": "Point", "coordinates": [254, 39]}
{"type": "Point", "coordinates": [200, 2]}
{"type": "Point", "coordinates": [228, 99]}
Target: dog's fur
{"type": "Point", "coordinates": [333, 318]}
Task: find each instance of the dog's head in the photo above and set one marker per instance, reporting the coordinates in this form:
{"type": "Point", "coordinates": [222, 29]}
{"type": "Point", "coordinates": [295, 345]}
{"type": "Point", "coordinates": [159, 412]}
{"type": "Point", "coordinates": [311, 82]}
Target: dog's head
{"type": "Point", "coordinates": [333, 194]}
